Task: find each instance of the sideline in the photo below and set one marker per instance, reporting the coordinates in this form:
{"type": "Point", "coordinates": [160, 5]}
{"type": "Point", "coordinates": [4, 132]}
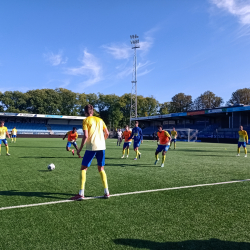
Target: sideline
{"type": "Point", "coordinates": [121, 194]}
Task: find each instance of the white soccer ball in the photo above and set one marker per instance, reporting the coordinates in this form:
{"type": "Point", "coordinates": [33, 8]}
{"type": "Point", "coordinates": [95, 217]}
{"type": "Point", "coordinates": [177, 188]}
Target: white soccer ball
{"type": "Point", "coordinates": [51, 167]}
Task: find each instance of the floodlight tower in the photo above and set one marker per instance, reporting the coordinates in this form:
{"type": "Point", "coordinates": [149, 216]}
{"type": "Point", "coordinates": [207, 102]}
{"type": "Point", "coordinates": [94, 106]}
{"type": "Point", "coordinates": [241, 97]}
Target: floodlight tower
{"type": "Point", "coordinates": [134, 39]}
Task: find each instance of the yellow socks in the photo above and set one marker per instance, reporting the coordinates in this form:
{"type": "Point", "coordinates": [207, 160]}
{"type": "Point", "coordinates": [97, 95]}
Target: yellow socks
{"type": "Point", "coordinates": [7, 149]}
{"type": "Point", "coordinates": [11, 139]}
{"type": "Point", "coordinates": [174, 145]}
{"type": "Point", "coordinates": [238, 150]}
{"type": "Point", "coordinates": [127, 151]}
{"type": "Point", "coordinates": [104, 178]}
{"type": "Point", "coordinates": [70, 150]}
{"type": "Point", "coordinates": [83, 181]}
{"type": "Point", "coordinates": [123, 151]}
{"type": "Point", "coordinates": [15, 139]}
{"type": "Point", "coordinates": [156, 157]}
{"type": "Point", "coordinates": [137, 152]}
{"type": "Point", "coordinates": [163, 159]}
{"type": "Point", "coordinates": [245, 150]}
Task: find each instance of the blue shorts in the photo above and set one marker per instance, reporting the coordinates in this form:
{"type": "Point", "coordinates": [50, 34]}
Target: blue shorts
{"type": "Point", "coordinates": [137, 144]}
{"type": "Point", "coordinates": [69, 144]}
{"type": "Point", "coordinates": [162, 148]}
{"type": "Point", "coordinates": [242, 143]}
{"type": "Point", "coordinates": [126, 144]}
{"type": "Point", "coordinates": [174, 140]}
{"type": "Point", "coordinates": [13, 136]}
{"type": "Point", "coordinates": [89, 156]}
{"type": "Point", "coordinates": [4, 141]}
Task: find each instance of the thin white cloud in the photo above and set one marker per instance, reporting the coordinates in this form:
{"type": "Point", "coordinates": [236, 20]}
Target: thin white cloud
{"type": "Point", "coordinates": [90, 68]}
{"type": "Point", "coordinates": [122, 51]}
{"type": "Point", "coordinates": [55, 59]}
{"type": "Point", "coordinates": [141, 66]}
{"type": "Point", "coordinates": [238, 8]}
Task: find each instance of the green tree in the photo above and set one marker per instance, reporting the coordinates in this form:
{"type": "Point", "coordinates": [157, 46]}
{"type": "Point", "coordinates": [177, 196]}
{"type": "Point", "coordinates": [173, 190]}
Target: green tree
{"type": "Point", "coordinates": [180, 103]}
{"type": "Point", "coordinates": [14, 101]}
{"type": "Point", "coordinates": [109, 109]}
{"type": "Point", "coordinates": [164, 108]}
{"type": "Point", "coordinates": [207, 100]}
{"type": "Point", "coordinates": [240, 96]}
{"type": "Point", "coordinates": [84, 99]}
{"type": "Point", "coordinates": [44, 101]}
{"type": "Point", "coordinates": [68, 102]}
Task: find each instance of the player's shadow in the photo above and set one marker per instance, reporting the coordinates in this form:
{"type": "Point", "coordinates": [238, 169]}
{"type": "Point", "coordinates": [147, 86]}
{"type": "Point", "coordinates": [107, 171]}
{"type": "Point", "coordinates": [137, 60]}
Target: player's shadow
{"type": "Point", "coordinates": [44, 157]}
{"type": "Point", "coordinates": [35, 194]}
{"type": "Point", "coordinates": [24, 146]}
{"type": "Point", "coordinates": [211, 244]}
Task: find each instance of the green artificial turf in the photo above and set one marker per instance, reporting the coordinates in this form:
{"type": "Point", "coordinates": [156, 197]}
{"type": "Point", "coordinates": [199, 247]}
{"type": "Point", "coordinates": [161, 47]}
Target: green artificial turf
{"type": "Point", "coordinates": [208, 217]}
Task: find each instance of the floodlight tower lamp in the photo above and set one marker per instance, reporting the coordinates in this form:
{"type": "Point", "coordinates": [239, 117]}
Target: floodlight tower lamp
{"type": "Point", "coordinates": [133, 109]}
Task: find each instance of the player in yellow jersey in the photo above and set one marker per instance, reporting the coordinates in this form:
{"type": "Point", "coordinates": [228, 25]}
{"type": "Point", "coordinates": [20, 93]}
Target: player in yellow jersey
{"type": "Point", "coordinates": [3, 133]}
{"type": "Point", "coordinates": [163, 145]}
{"type": "Point", "coordinates": [126, 134]}
{"type": "Point", "coordinates": [95, 134]}
{"type": "Point", "coordinates": [13, 134]}
{"type": "Point", "coordinates": [72, 137]}
{"type": "Point", "coordinates": [243, 140]}
{"type": "Point", "coordinates": [174, 135]}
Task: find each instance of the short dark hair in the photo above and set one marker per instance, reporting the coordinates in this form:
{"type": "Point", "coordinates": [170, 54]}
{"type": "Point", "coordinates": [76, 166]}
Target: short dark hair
{"type": "Point", "coordinates": [1, 121]}
{"type": "Point", "coordinates": [74, 128]}
{"type": "Point", "coordinates": [89, 109]}
{"type": "Point", "coordinates": [126, 126]}
{"type": "Point", "coordinates": [136, 122]}
{"type": "Point", "coordinates": [160, 126]}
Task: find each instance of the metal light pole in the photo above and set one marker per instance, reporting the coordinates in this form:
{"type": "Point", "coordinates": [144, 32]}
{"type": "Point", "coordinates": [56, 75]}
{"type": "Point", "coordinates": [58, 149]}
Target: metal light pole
{"type": "Point", "coordinates": [133, 109]}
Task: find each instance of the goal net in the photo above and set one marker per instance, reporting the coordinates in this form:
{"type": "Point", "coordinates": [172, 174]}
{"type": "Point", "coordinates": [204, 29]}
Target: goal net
{"type": "Point", "coordinates": [186, 134]}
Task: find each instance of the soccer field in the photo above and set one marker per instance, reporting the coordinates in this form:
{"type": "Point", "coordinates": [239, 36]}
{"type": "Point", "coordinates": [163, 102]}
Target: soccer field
{"type": "Point", "coordinates": [185, 215]}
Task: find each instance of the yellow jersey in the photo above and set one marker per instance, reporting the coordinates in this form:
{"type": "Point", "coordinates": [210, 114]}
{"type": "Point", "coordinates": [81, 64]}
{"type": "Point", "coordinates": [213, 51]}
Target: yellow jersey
{"type": "Point", "coordinates": [243, 136]}
{"type": "Point", "coordinates": [173, 134]}
{"type": "Point", "coordinates": [3, 131]}
{"type": "Point", "coordinates": [14, 131]}
{"type": "Point", "coordinates": [95, 127]}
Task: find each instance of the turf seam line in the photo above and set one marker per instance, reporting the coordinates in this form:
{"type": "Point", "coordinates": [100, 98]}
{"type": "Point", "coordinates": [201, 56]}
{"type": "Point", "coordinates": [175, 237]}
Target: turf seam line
{"type": "Point", "coordinates": [122, 194]}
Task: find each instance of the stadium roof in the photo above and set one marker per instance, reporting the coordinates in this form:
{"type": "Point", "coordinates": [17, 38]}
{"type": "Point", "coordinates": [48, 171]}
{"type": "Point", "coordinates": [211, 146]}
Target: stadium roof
{"type": "Point", "coordinates": [197, 112]}
{"type": "Point", "coordinates": [3, 114]}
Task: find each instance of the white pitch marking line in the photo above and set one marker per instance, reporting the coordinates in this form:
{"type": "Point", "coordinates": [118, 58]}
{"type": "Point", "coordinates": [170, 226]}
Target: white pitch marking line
{"type": "Point", "coordinates": [121, 194]}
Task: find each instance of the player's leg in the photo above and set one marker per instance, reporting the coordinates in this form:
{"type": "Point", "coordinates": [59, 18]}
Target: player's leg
{"type": "Point", "coordinates": [157, 154]}
{"type": "Point", "coordinates": [86, 162]}
{"type": "Point", "coordinates": [6, 146]}
{"type": "Point", "coordinates": [123, 149]}
{"type": "Point", "coordinates": [15, 139]}
{"type": "Point", "coordinates": [128, 150]}
{"type": "Point", "coordinates": [245, 148]}
{"type": "Point", "coordinates": [136, 151]}
{"type": "Point", "coordinates": [238, 149]}
{"type": "Point", "coordinates": [100, 156]}
{"type": "Point", "coordinates": [175, 144]}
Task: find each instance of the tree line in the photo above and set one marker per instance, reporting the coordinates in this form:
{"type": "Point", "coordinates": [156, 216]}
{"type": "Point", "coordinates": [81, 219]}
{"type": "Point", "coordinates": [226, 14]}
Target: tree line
{"type": "Point", "coordinates": [113, 109]}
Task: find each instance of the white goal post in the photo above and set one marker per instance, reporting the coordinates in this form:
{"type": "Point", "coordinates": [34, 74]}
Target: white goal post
{"type": "Point", "coordinates": [185, 134]}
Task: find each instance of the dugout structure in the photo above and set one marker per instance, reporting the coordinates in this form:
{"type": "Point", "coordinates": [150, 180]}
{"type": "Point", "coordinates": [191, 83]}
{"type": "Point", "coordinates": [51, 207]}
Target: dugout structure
{"type": "Point", "coordinates": [210, 125]}
{"type": "Point", "coordinates": [39, 125]}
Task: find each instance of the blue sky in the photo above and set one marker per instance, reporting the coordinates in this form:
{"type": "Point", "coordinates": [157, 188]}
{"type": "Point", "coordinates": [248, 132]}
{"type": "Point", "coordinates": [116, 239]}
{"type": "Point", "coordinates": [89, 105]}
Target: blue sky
{"type": "Point", "coordinates": [83, 45]}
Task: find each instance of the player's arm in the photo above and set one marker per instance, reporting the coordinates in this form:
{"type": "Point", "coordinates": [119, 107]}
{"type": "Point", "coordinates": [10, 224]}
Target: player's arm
{"type": "Point", "coordinates": [65, 135]}
{"type": "Point", "coordinates": [106, 133]}
{"type": "Point", "coordinates": [76, 136]}
{"type": "Point", "coordinates": [246, 137]}
{"type": "Point", "coordinates": [141, 136]}
{"type": "Point", "coordinates": [131, 136]}
{"type": "Point", "coordinates": [7, 134]}
{"type": "Point", "coordinates": [84, 139]}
